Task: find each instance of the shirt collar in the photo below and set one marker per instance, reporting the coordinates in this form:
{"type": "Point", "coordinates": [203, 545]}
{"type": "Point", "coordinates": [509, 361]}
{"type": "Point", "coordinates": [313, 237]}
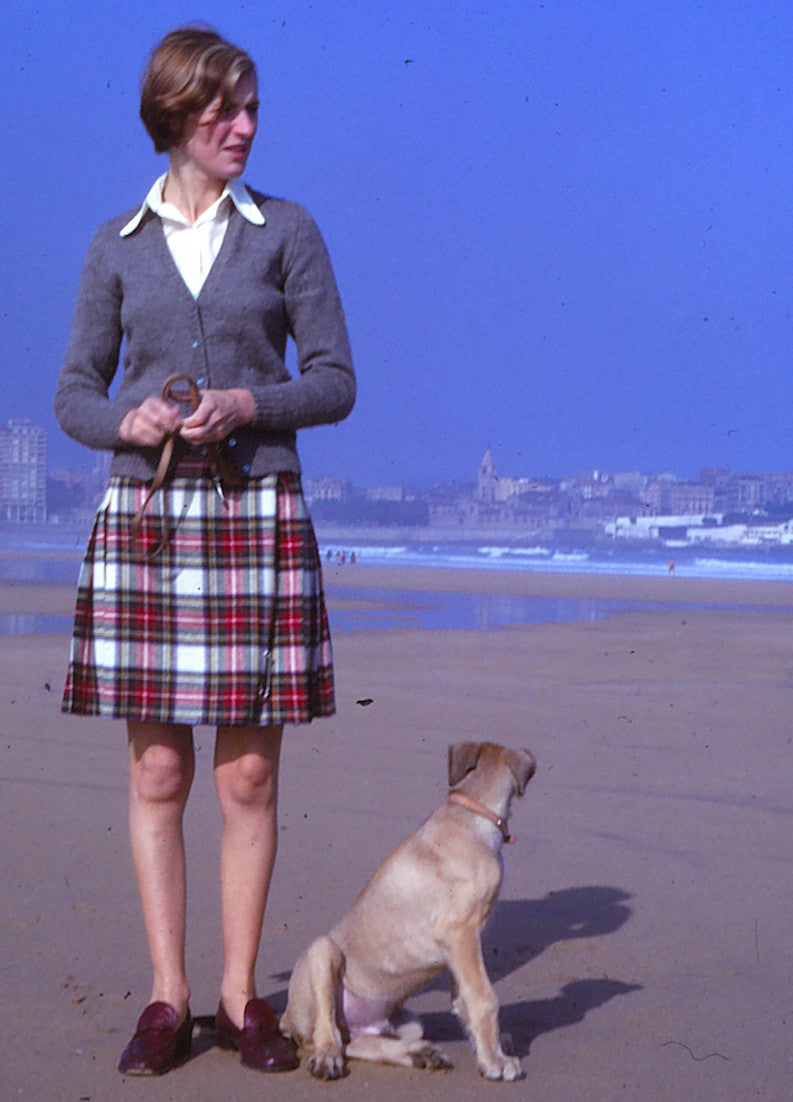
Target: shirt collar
{"type": "Point", "coordinates": [234, 189]}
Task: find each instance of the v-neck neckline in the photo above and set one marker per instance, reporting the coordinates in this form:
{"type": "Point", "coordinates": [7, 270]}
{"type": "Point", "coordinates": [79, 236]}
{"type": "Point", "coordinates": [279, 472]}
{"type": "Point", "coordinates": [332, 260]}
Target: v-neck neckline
{"type": "Point", "coordinates": [232, 228]}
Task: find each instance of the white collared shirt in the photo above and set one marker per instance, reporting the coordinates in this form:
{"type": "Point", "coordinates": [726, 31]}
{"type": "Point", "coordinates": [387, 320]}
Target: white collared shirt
{"type": "Point", "coordinates": [195, 245]}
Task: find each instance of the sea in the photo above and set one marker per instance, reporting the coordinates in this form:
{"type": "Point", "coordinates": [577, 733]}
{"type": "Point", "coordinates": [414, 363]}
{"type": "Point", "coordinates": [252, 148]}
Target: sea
{"type": "Point", "coordinates": [48, 553]}
{"type": "Point", "coordinates": [749, 564]}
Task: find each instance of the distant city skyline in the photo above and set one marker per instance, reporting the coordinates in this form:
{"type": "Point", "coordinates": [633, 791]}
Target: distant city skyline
{"type": "Point", "coordinates": [89, 461]}
{"type": "Point", "coordinates": [98, 463]}
{"type": "Point", "coordinates": [720, 507]}
{"type": "Point", "coordinates": [562, 231]}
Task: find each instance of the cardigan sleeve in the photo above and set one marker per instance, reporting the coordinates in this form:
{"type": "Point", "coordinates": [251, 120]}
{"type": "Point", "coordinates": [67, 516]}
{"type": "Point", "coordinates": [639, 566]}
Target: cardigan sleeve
{"type": "Point", "coordinates": [324, 392]}
{"type": "Point", "coordinates": [82, 403]}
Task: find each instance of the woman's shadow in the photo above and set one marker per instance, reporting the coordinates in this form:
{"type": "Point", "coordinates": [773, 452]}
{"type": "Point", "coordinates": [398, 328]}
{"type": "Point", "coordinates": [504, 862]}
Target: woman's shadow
{"type": "Point", "coordinates": [518, 932]}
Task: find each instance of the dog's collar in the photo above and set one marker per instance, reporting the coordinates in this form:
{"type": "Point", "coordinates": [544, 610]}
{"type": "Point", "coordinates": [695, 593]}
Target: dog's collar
{"type": "Point", "coordinates": [460, 798]}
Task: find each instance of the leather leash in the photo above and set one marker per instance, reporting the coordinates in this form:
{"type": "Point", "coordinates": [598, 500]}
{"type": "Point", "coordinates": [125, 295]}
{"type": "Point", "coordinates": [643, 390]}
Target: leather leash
{"type": "Point", "coordinates": [223, 470]}
{"type": "Point", "coordinates": [471, 804]}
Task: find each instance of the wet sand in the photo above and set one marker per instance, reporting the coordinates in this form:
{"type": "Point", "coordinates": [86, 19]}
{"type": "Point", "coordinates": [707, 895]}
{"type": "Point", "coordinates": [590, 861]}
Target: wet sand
{"type": "Point", "coordinates": [640, 949]}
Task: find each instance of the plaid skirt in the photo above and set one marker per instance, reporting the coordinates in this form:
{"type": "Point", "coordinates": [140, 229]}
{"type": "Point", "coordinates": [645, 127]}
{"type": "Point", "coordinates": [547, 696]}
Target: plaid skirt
{"type": "Point", "coordinates": [227, 625]}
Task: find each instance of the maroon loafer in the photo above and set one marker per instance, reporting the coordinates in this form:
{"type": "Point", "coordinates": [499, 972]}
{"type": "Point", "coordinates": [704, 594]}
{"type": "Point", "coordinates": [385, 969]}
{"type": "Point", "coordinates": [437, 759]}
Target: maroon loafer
{"type": "Point", "coordinates": [159, 1043]}
{"type": "Point", "coordinates": [259, 1042]}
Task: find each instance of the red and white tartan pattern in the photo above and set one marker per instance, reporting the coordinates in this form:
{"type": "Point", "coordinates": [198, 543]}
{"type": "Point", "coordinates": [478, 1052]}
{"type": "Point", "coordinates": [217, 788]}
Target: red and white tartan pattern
{"type": "Point", "coordinates": [226, 626]}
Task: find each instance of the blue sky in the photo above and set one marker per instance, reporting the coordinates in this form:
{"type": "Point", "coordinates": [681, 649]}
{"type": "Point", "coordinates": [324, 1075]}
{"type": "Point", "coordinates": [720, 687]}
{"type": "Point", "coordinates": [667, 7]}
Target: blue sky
{"type": "Point", "coordinates": [562, 230]}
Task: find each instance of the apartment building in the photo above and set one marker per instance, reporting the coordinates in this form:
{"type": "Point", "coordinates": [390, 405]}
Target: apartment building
{"type": "Point", "coordinates": [23, 472]}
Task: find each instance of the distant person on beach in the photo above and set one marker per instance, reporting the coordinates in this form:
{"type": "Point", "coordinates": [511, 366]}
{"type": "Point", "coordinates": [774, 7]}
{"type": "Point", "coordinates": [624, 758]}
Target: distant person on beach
{"type": "Point", "coordinates": [200, 598]}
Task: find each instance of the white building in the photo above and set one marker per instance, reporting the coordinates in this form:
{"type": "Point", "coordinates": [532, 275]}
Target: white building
{"type": "Point", "coordinates": [23, 472]}
{"type": "Point", "coordinates": [691, 530]}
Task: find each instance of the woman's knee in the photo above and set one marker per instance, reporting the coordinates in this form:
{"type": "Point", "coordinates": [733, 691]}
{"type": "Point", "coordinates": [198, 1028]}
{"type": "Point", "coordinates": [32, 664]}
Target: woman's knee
{"type": "Point", "coordinates": [162, 774]}
{"type": "Point", "coordinates": [246, 766]}
{"type": "Point", "coordinates": [248, 780]}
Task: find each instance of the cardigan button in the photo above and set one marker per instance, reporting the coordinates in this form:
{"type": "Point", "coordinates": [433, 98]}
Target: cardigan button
{"type": "Point", "coordinates": [196, 344]}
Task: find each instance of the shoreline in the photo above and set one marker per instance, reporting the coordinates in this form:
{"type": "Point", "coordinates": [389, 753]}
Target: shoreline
{"type": "Point", "coordinates": [535, 583]}
{"type": "Point", "coordinates": [26, 596]}
{"type": "Point", "coordinates": [57, 598]}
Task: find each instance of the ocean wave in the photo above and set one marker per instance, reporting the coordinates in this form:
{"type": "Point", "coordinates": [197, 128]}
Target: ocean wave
{"type": "Point", "coordinates": [744, 568]}
{"type": "Point", "coordinates": [386, 551]}
{"type": "Point", "coordinates": [514, 552]}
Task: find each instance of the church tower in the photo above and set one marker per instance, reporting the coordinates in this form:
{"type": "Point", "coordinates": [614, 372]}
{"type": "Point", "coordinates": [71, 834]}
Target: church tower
{"type": "Point", "coordinates": [486, 480]}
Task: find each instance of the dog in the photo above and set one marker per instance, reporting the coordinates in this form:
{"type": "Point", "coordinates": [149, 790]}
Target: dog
{"type": "Point", "coordinates": [422, 912]}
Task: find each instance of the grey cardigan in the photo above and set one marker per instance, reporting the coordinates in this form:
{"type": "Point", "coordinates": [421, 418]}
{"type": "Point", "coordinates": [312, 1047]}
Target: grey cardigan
{"type": "Point", "coordinates": [267, 283]}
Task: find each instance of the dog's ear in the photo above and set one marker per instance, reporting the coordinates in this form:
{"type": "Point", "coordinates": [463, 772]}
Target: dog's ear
{"type": "Point", "coordinates": [522, 766]}
{"type": "Point", "coordinates": [463, 757]}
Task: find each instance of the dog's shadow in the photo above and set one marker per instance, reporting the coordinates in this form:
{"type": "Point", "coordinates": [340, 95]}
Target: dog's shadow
{"type": "Point", "coordinates": [520, 929]}
{"type": "Point", "coordinates": [518, 932]}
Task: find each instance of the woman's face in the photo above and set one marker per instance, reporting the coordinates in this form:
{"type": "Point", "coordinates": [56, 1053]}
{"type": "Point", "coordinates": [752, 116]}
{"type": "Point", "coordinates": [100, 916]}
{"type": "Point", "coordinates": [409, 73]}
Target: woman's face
{"type": "Point", "coordinates": [218, 141]}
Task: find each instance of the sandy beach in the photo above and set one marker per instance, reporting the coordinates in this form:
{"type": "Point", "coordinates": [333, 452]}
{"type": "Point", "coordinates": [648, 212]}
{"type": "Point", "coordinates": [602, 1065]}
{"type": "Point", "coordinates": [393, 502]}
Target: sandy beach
{"type": "Point", "coordinates": [640, 949]}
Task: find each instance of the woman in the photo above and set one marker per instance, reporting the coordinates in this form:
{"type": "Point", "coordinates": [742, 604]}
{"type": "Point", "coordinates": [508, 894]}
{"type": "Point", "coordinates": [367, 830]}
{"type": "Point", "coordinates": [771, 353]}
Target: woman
{"type": "Point", "coordinates": [200, 598]}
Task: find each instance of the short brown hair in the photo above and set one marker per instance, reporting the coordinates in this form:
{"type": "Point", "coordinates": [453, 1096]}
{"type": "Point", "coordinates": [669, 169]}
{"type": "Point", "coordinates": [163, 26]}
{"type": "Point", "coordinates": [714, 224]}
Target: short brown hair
{"type": "Point", "coordinates": [186, 71]}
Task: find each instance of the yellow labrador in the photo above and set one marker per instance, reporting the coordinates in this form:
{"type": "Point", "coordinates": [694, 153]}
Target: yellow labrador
{"type": "Point", "coordinates": [422, 911]}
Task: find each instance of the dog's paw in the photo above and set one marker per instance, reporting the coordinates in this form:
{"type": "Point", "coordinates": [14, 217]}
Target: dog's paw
{"type": "Point", "coordinates": [327, 1065]}
{"type": "Point", "coordinates": [425, 1055]}
{"type": "Point", "coordinates": [506, 1068]}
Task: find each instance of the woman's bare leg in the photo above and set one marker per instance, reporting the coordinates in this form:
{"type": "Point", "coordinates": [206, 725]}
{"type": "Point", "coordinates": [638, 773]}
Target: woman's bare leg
{"type": "Point", "coordinates": [246, 779]}
{"type": "Point", "coordinates": [162, 765]}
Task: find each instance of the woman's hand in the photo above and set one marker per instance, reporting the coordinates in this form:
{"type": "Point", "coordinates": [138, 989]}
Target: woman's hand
{"type": "Point", "coordinates": [219, 413]}
{"type": "Point", "coordinates": [150, 423]}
